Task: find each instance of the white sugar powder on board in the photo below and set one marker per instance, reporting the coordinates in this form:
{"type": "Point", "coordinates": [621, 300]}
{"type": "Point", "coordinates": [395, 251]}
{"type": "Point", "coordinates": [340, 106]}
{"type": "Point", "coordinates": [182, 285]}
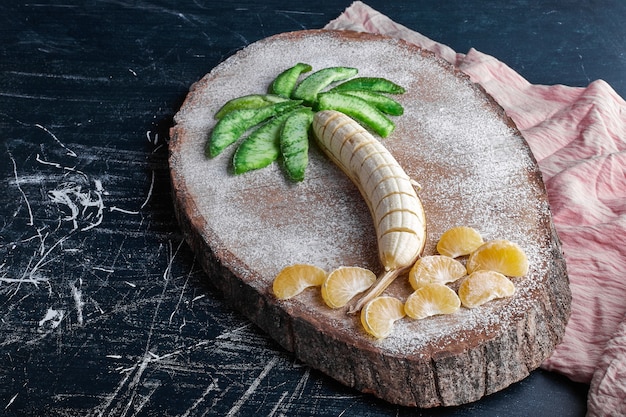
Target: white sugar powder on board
{"type": "Point", "coordinates": [473, 167]}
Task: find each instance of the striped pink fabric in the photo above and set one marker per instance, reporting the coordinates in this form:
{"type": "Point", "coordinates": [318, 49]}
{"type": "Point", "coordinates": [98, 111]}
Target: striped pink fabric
{"type": "Point", "coordinates": [578, 136]}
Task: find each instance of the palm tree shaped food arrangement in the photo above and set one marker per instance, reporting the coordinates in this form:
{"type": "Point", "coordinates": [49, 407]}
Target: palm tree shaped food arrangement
{"type": "Point", "coordinates": [335, 105]}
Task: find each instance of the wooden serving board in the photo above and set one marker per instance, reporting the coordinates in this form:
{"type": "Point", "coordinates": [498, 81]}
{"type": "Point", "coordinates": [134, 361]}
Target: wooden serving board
{"type": "Point", "coordinates": [475, 169]}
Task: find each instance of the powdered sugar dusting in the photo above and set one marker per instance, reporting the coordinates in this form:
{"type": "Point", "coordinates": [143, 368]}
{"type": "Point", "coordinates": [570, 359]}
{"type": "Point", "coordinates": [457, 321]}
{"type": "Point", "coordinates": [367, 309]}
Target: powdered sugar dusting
{"type": "Point", "coordinates": [475, 170]}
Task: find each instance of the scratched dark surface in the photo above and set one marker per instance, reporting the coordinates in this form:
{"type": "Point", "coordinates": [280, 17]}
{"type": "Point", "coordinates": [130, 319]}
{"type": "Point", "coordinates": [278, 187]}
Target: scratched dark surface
{"type": "Point", "coordinates": [103, 311]}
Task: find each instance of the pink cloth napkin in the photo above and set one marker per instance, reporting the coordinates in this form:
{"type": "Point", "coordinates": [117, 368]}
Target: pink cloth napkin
{"type": "Point", "coordinates": [578, 136]}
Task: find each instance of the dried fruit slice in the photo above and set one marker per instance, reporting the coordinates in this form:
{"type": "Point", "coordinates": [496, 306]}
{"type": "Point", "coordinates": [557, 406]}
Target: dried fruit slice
{"type": "Point", "coordinates": [482, 286]}
{"type": "Point", "coordinates": [435, 269]}
{"type": "Point", "coordinates": [294, 142]}
{"type": "Point", "coordinates": [501, 256]}
{"type": "Point", "coordinates": [284, 84]}
{"type": "Point", "coordinates": [431, 300]}
{"type": "Point", "coordinates": [261, 147]}
{"type": "Point", "coordinates": [383, 103]}
{"type": "Point", "coordinates": [379, 315]}
{"type": "Point", "coordinates": [377, 84]}
{"type": "Point", "coordinates": [252, 101]}
{"type": "Point", "coordinates": [358, 109]}
{"type": "Point", "coordinates": [313, 84]}
{"type": "Point", "coordinates": [235, 123]}
{"type": "Point", "coordinates": [459, 241]}
{"type": "Point", "coordinates": [344, 283]}
{"type": "Point", "coordinates": [294, 279]}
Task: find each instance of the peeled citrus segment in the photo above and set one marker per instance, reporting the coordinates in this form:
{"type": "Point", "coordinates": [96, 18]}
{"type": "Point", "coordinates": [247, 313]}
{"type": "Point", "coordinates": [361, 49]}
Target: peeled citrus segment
{"type": "Point", "coordinates": [431, 300]}
{"type": "Point", "coordinates": [483, 286]}
{"type": "Point", "coordinates": [344, 283]}
{"type": "Point", "coordinates": [459, 241]}
{"type": "Point", "coordinates": [294, 279]}
{"type": "Point", "coordinates": [379, 315]}
{"type": "Point", "coordinates": [501, 256]}
{"type": "Point", "coordinates": [435, 269]}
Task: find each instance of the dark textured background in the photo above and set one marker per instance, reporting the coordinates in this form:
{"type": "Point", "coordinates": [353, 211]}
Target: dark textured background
{"type": "Point", "coordinates": [103, 311]}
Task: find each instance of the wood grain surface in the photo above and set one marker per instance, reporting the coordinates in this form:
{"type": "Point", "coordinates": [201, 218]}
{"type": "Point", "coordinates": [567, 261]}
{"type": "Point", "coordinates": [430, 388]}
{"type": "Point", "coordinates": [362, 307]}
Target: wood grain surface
{"type": "Point", "coordinates": [475, 169]}
{"type": "Point", "coordinates": [105, 311]}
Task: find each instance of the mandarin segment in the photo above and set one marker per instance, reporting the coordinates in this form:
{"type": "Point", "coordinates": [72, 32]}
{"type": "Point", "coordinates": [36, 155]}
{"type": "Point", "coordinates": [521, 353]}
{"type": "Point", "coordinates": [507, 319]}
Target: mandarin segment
{"type": "Point", "coordinates": [499, 255]}
{"type": "Point", "coordinates": [294, 279]}
{"type": "Point", "coordinates": [459, 241]}
{"type": "Point", "coordinates": [435, 269]}
{"type": "Point", "coordinates": [483, 286]}
{"type": "Point", "coordinates": [379, 315]}
{"type": "Point", "coordinates": [342, 284]}
{"type": "Point", "coordinates": [432, 300]}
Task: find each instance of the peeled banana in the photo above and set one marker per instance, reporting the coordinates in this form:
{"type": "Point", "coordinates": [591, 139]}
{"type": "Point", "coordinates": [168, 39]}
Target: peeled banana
{"type": "Point", "coordinates": [398, 214]}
